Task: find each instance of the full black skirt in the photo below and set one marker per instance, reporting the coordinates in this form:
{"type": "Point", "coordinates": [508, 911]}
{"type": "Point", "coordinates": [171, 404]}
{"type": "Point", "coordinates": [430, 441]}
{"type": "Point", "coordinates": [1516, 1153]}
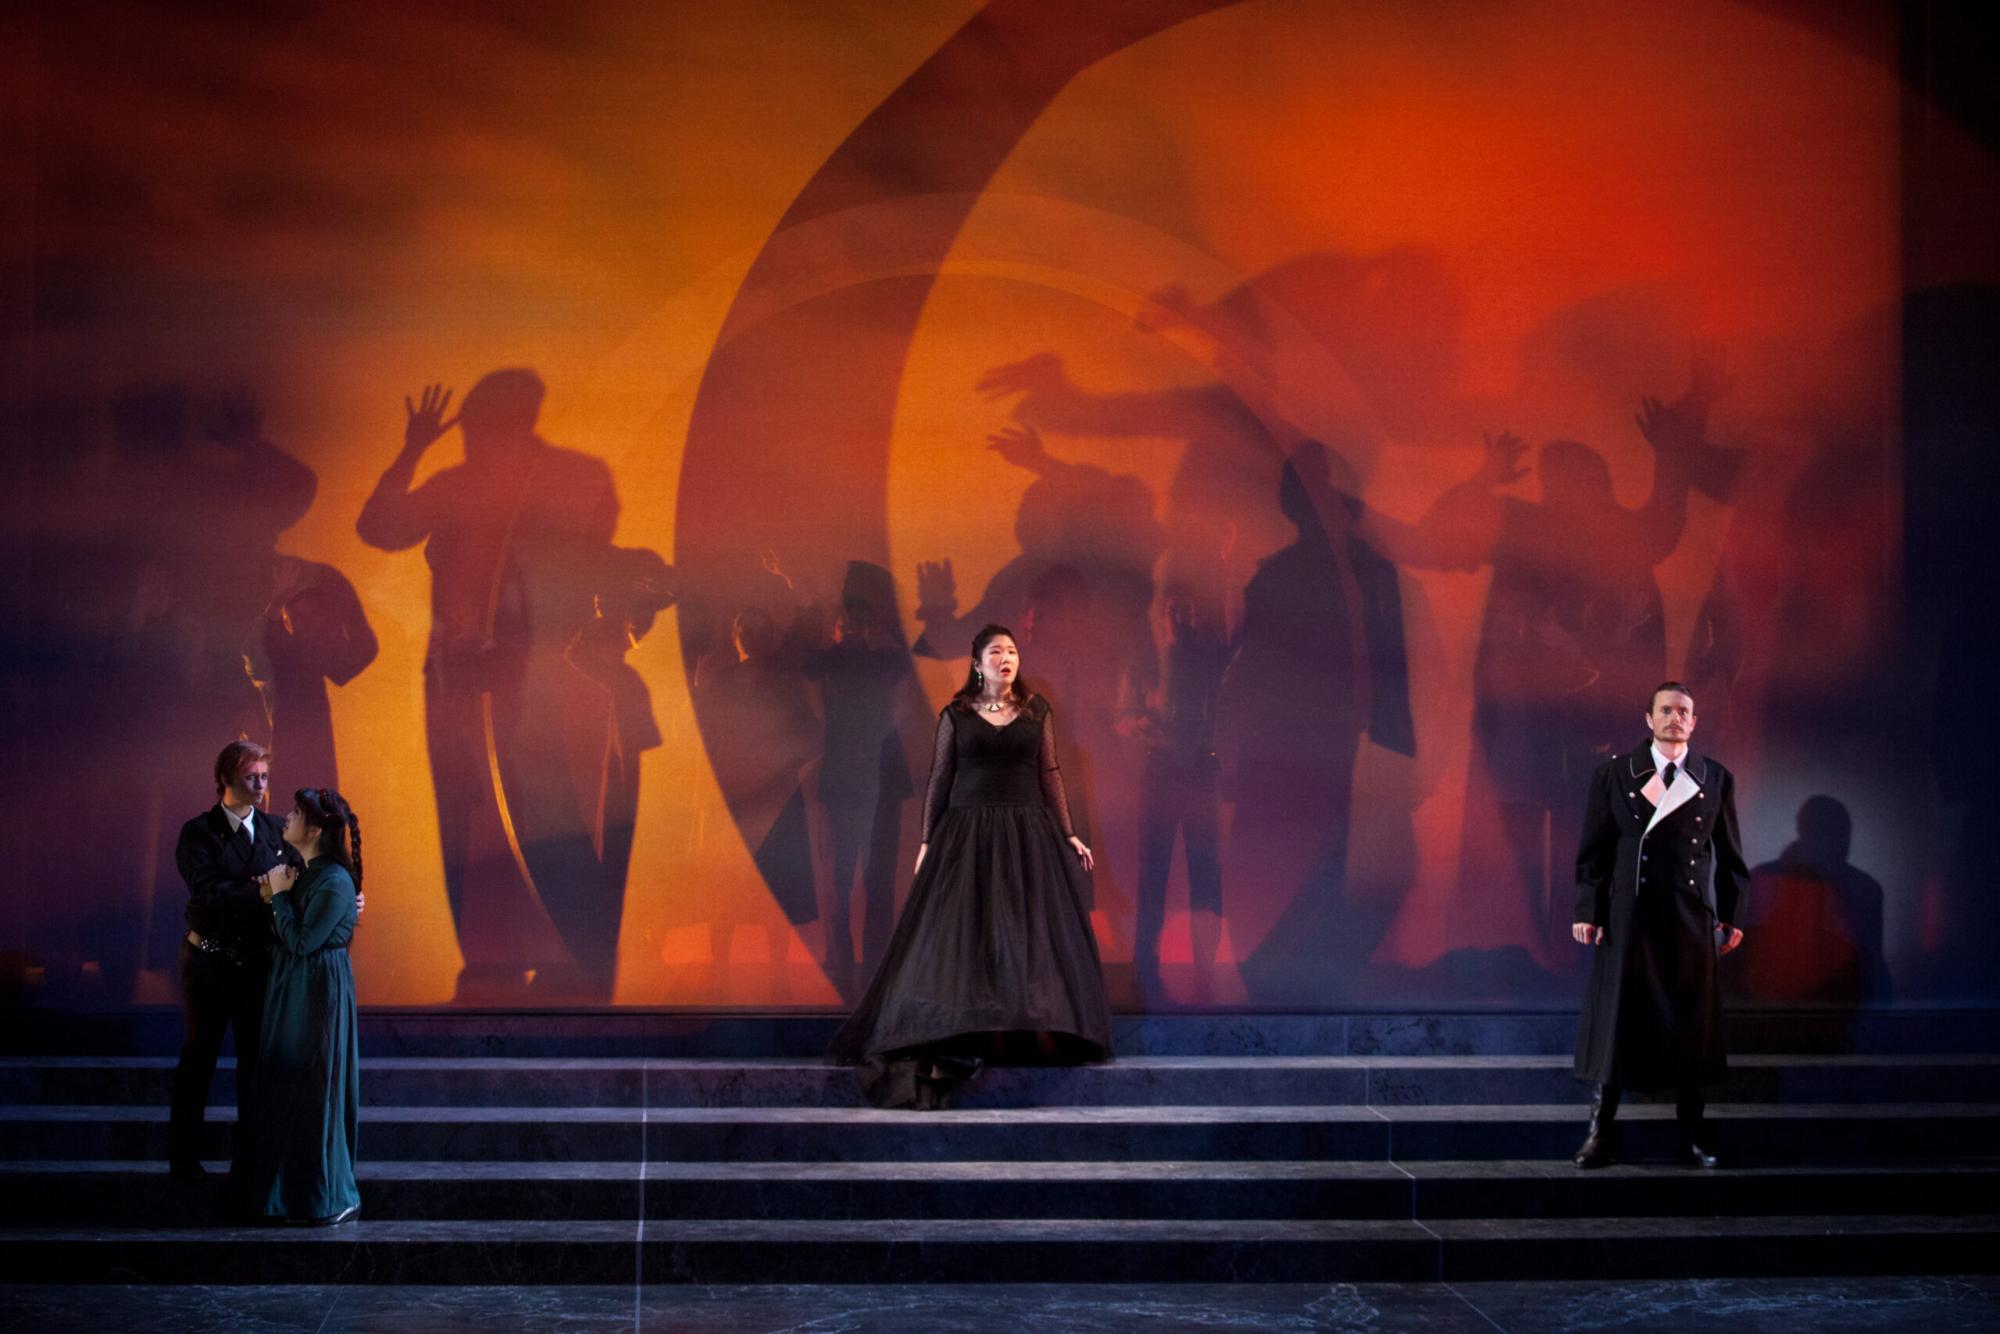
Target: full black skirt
{"type": "Point", "coordinates": [993, 958]}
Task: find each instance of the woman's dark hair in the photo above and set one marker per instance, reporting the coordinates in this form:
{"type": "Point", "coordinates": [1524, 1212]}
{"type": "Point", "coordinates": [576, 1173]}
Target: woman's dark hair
{"type": "Point", "coordinates": [339, 827]}
{"type": "Point", "coordinates": [967, 698]}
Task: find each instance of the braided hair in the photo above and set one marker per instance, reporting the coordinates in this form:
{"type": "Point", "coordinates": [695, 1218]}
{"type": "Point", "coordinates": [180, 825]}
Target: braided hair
{"type": "Point", "coordinates": [339, 827]}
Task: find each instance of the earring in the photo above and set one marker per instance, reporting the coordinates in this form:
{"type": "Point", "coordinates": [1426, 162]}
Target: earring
{"type": "Point", "coordinates": [978, 677]}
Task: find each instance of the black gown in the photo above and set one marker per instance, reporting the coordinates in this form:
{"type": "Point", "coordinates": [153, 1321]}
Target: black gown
{"type": "Point", "coordinates": [993, 958]}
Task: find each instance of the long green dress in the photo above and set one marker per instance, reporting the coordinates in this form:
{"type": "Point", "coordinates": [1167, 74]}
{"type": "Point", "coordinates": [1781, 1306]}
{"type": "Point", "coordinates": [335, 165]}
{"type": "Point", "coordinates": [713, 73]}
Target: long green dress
{"type": "Point", "coordinates": [308, 1088]}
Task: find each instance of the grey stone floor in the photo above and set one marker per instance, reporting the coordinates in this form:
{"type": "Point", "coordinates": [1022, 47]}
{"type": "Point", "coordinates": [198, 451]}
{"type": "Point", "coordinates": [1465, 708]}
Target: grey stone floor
{"type": "Point", "coordinates": [1740, 1306]}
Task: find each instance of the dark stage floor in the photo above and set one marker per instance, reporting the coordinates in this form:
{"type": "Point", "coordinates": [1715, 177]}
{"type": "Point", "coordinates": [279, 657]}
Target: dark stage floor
{"type": "Point", "coordinates": [1739, 1306]}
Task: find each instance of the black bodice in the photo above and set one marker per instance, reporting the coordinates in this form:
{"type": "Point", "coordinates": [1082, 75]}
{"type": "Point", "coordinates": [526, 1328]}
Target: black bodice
{"type": "Point", "coordinates": [975, 763]}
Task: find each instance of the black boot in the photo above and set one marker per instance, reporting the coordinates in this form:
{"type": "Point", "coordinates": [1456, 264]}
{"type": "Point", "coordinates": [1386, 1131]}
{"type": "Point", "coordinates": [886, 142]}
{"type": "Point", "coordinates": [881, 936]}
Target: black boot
{"type": "Point", "coordinates": [1601, 1145]}
{"type": "Point", "coordinates": [1689, 1106]}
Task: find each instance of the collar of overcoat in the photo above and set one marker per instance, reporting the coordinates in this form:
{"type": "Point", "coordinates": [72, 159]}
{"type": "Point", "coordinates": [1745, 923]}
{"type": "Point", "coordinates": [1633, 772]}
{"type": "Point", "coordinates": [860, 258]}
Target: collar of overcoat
{"type": "Point", "coordinates": [260, 836]}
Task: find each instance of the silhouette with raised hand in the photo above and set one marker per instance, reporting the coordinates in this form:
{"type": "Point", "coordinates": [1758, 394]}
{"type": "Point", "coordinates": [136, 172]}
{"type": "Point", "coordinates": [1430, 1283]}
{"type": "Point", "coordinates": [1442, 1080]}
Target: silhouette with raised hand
{"type": "Point", "coordinates": [1574, 629]}
{"type": "Point", "coordinates": [1220, 500]}
{"type": "Point", "coordinates": [525, 709]}
{"type": "Point", "coordinates": [1080, 593]}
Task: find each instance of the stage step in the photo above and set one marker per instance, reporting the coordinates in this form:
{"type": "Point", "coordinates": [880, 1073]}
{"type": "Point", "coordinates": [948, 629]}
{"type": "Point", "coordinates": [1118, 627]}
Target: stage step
{"type": "Point", "coordinates": [609, 1149]}
{"type": "Point", "coordinates": [1138, 1081]}
{"type": "Point", "coordinates": [1763, 1133]}
{"type": "Point", "coordinates": [640, 1034]}
{"type": "Point", "coordinates": [113, 1194]}
{"type": "Point", "coordinates": [1016, 1250]}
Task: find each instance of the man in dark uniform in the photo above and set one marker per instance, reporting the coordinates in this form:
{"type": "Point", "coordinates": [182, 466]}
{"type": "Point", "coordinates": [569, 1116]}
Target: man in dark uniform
{"type": "Point", "coordinates": [224, 854]}
{"type": "Point", "coordinates": [1660, 878]}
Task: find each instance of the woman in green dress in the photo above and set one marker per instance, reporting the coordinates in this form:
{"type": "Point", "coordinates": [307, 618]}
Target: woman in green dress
{"type": "Point", "coordinates": [308, 1088]}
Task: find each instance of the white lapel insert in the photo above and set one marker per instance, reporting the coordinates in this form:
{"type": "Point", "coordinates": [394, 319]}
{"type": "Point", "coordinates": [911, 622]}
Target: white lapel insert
{"type": "Point", "coordinates": [1675, 797]}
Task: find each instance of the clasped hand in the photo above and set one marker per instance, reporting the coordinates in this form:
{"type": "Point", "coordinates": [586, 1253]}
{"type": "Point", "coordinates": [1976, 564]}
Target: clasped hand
{"type": "Point", "coordinates": [278, 880]}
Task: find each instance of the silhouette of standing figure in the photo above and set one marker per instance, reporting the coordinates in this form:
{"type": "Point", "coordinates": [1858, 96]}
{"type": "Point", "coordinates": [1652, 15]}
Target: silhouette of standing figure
{"type": "Point", "coordinates": [1574, 630]}
{"type": "Point", "coordinates": [1818, 920]}
{"type": "Point", "coordinates": [864, 775]}
{"type": "Point", "coordinates": [637, 586]}
{"type": "Point", "coordinates": [518, 540]}
{"type": "Point", "coordinates": [1320, 663]}
{"type": "Point", "coordinates": [757, 692]}
{"type": "Point", "coordinates": [214, 510]}
{"type": "Point", "coordinates": [315, 631]}
{"type": "Point", "coordinates": [1180, 789]}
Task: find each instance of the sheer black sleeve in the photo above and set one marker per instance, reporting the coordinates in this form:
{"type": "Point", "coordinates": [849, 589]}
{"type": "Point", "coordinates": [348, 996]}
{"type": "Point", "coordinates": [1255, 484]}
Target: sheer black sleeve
{"type": "Point", "coordinates": [1052, 783]}
{"type": "Point", "coordinates": [944, 760]}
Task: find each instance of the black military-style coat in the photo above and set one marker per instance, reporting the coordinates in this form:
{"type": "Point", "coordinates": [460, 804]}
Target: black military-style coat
{"type": "Point", "coordinates": [220, 868]}
{"type": "Point", "coordinates": [1657, 878]}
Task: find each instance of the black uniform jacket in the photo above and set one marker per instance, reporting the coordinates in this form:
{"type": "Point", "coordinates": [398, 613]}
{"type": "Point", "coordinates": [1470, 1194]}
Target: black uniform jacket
{"type": "Point", "coordinates": [220, 866]}
{"type": "Point", "coordinates": [1657, 879]}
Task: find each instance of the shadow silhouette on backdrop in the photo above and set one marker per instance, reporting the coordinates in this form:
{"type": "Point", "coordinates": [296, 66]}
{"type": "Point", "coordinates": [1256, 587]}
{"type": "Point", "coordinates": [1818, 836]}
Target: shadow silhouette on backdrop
{"type": "Point", "coordinates": [1573, 635]}
{"type": "Point", "coordinates": [532, 721]}
{"type": "Point", "coordinates": [314, 631]}
{"type": "Point", "coordinates": [1816, 919]}
{"type": "Point", "coordinates": [1180, 787]}
{"type": "Point", "coordinates": [1951, 340]}
{"type": "Point", "coordinates": [807, 373]}
{"type": "Point", "coordinates": [1080, 593]}
{"type": "Point", "coordinates": [1358, 344]}
{"type": "Point", "coordinates": [1321, 663]}
{"type": "Point", "coordinates": [756, 693]}
{"type": "Point", "coordinates": [157, 558]}
{"type": "Point", "coordinates": [866, 684]}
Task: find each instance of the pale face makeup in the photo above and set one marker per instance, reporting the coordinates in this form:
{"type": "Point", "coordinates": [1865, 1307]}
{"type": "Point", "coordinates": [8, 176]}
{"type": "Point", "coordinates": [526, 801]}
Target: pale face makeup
{"type": "Point", "coordinates": [1672, 721]}
{"type": "Point", "coordinates": [1000, 663]}
{"type": "Point", "coordinates": [252, 781]}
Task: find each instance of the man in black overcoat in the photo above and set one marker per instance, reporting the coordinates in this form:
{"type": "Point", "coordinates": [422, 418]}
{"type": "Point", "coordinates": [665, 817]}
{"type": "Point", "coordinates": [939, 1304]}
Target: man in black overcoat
{"type": "Point", "coordinates": [224, 854]}
{"type": "Point", "coordinates": [1660, 879]}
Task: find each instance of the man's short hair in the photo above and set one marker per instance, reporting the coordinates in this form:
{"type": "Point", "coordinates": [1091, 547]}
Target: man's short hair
{"type": "Point", "coordinates": [1662, 688]}
{"type": "Point", "coordinates": [233, 758]}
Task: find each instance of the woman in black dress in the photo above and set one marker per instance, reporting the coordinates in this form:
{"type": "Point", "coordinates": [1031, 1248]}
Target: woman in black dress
{"type": "Point", "coordinates": [993, 958]}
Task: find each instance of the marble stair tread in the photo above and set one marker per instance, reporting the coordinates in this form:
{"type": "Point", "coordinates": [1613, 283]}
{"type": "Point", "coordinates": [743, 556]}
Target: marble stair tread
{"type": "Point", "coordinates": [954, 1170]}
{"type": "Point", "coordinates": [1758, 1225]}
{"type": "Point", "coordinates": [1387, 1081]}
{"type": "Point", "coordinates": [985, 1250]}
{"type": "Point", "coordinates": [1655, 1246]}
{"type": "Point", "coordinates": [115, 1194]}
{"type": "Point", "coordinates": [1543, 1028]}
{"type": "Point", "coordinates": [1214, 1230]}
{"type": "Point", "coordinates": [1753, 1132]}
{"type": "Point", "coordinates": [1664, 1111]}
{"type": "Point", "coordinates": [965, 1116]}
{"type": "Point", "coordinates": [528, 1064]}
{"type": "Point", "coordinates": [1192, 1115]}
{"type": "Point", "coordinates": [1139, 1081]}
{"type": "Point", "coordinates": [1490, 1170]}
